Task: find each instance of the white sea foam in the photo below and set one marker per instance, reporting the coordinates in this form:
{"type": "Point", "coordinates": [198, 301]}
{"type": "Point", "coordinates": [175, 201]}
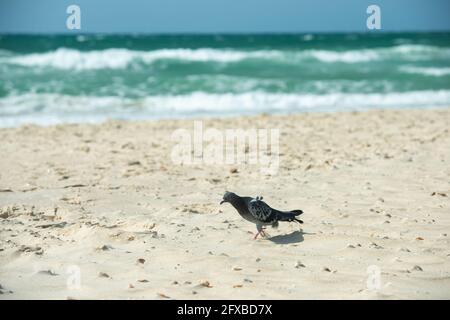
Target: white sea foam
{"type": "Point", "coordinates": [54, 108]}
{"type": "Point", "coordinates": [64, 58]}
{"type": "Point", "coordinates": [353, 56]}
{"type": "Point", "coordinates": [427, 71]}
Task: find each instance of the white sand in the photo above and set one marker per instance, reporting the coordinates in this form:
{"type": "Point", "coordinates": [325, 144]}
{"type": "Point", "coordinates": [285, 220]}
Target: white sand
{"type": "Point", "coordinates": [374, 186]}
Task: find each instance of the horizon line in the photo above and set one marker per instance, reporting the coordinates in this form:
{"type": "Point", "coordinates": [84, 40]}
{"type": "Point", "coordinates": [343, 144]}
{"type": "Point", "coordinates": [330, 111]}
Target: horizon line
{"type": "Point", "coordinates": [228, 33]}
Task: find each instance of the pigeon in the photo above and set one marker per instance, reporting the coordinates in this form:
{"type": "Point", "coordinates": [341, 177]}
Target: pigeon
{"type": "Point", "coordinates": [260, 213]}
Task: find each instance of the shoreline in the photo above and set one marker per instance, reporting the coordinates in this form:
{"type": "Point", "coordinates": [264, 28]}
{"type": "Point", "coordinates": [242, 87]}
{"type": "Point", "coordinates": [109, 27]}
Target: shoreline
{"type": "Point", "coordinates": [105, 203]}
{"type": "Point", "coordinates": [225, 116]}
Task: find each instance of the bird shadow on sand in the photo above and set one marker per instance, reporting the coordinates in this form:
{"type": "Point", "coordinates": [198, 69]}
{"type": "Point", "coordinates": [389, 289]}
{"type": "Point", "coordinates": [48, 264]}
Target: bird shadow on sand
{"type": "Point", "coordinates": [293, 237]}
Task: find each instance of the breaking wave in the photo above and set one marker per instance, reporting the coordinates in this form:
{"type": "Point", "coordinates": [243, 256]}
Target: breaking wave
{"type": "Point", "coordinates": [119, 58]}
{"type": "Point", "coordinates": [54, 108]}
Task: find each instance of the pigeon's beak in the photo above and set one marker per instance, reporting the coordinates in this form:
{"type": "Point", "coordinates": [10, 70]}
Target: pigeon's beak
{"type": "Point", "coordinates": [222, 201]}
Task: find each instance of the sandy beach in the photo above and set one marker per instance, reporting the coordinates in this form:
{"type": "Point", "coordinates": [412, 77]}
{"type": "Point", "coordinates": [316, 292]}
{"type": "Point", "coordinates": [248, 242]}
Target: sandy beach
{"type": "Point", "coordinates": [102, 212]}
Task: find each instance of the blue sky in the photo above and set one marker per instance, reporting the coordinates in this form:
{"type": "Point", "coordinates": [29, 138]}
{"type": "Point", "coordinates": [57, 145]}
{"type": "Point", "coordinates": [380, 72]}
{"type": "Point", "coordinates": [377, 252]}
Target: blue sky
{"type": "Point", "coordinates": [226, 16]}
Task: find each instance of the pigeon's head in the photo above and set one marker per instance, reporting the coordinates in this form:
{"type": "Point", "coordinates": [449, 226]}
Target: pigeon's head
{"type": "Point", "coordinates": [228, 197]}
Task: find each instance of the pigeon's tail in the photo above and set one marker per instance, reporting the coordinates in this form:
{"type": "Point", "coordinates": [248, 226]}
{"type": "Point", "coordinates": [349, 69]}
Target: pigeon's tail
{"type": "Point", "coordinates": [289, 215]}
{"type": "Point", "coordinates": [297, 212]}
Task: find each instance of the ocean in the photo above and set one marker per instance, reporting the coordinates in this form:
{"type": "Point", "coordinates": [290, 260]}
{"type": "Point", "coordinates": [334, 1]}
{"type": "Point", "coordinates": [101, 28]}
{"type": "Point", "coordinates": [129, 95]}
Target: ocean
{"type": "Point", "coordinates": [91, 78]}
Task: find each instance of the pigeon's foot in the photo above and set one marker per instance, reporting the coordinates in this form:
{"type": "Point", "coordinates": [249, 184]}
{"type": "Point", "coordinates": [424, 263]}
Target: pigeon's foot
{"type": "Point", "coordinates": [262, 233]}
{"type": "Point", "coordinates": [265, 234]}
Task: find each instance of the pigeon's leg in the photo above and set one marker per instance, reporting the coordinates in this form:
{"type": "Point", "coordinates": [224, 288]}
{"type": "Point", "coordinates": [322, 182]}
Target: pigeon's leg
{"type": "Point", "coordinates": [259, 228]}
{"type": "Point", "coordinates": [261, 232]}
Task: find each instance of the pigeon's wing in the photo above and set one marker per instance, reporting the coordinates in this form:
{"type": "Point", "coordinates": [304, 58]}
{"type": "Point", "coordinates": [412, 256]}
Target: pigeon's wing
{"type": "Point", "coordinates": [260, 210]}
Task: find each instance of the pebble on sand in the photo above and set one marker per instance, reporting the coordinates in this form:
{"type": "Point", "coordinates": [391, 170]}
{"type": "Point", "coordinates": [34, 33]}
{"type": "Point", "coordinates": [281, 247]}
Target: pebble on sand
{"type": "Point", "coordinates": [48, 272]}
{"type": "Point", "coordinates": [205, 283]}
{"type": "Point", "coordinates": [105, 247]}
{"type": "Point", "coordinates": [417, 268]}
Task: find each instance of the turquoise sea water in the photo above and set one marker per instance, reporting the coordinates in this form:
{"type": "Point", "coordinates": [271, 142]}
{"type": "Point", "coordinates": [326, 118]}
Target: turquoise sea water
{"type": "Point", "coordinates": [90, 78]}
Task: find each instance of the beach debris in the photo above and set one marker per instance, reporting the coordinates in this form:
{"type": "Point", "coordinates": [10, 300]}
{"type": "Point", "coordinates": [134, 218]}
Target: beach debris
{"type": "Point", "coordinates": [326, 269]}
{"type": "Point", "coordinates": [298, 265]}
{"type": "Point", "coordinates": [9, 211]}
{"type": "Point", "coordinates": [420, 238]}
{"type": "Point", "coordinates": [104, 247]}
{"type": "Point", "coordinates": [53, 225]}
{"type": "Point", "coordinates": [134, 163]}
{"type": "Point", "coordinates": [405, 271]}
{"type": "Point", "coordinates": [205, 283]}
{"type": "Point", "coordinates": [130, 286]}
{"type": "Point", "coordinates": [162, 295]}
{"type": "Point", "coordinates": [141, 260]}
{"type": "Point", "coordinates": [417, 268]}
{"type": "Point", "coordinates": [103, 275]}
{"type": "Point", "coordinates": [375, 246]}
{"type": "Point", "coordinates": [233, 170]}
{"type": "Point", "coordinates": [238, 286]}
{"type": "Point", "coordinates": [236, 268]}
{"type": "Point", "coordinates": [442, 194]}
{"type": "Point", "coordinates": [37, 250]}
{"type": "Point", "coordinates": [3, 290]}
{"type": "Point", "coordinates": [78, 185]}
{"type": "Point", "coordinates": [150, 225]}
{"type": "Point", "coordinates": [128, 145]}
{"type": "Point", "coordinates": [143, 280]}
{"type": "Point", "coordinates": [48, 272]}
{"type": "Point", "coordinates": [4, 215]}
